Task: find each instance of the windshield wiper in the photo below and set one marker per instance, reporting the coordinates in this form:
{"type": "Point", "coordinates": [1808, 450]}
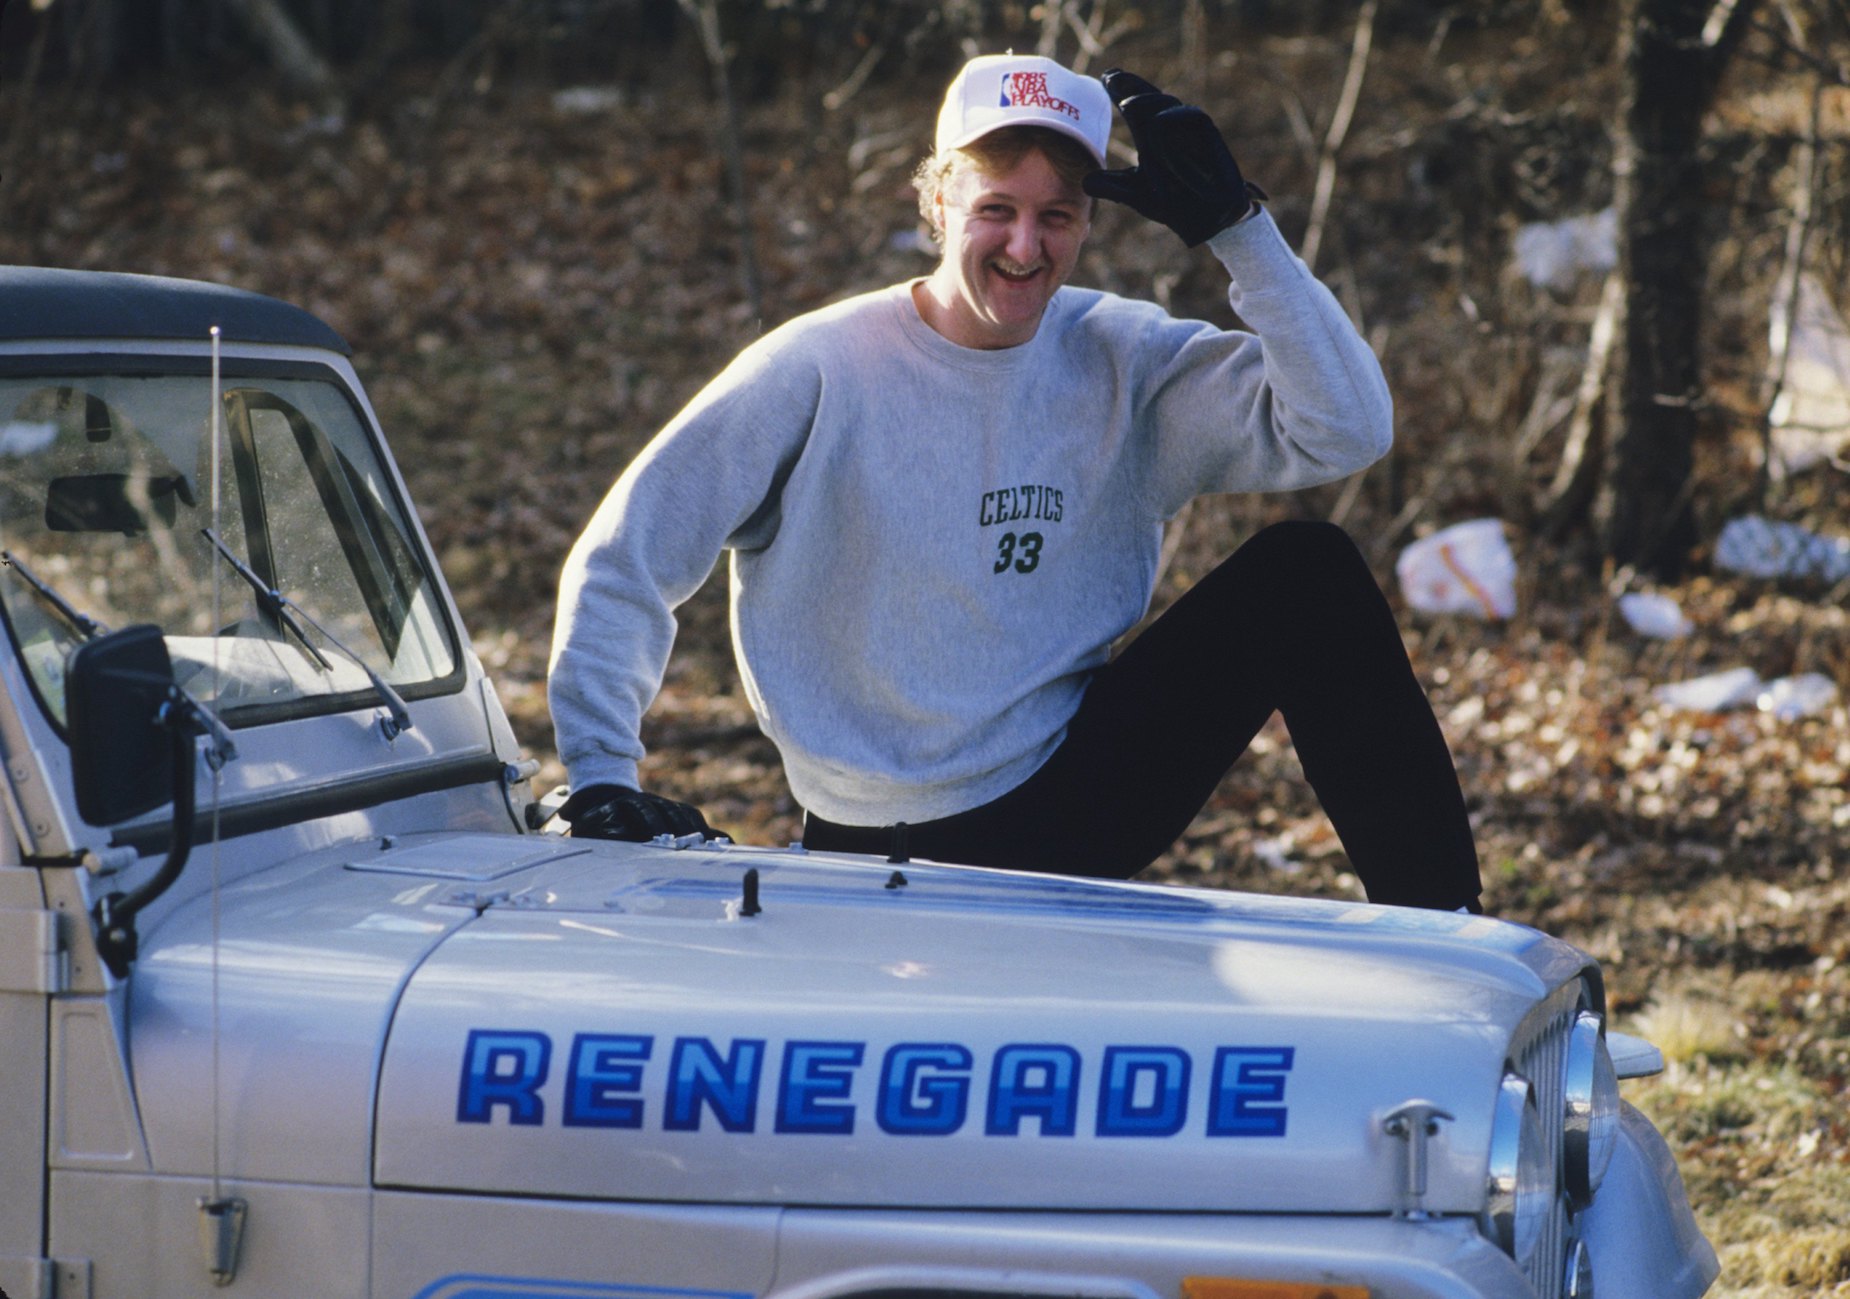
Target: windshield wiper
{"type": "Point", "coordinates": [275, 605]}
{"type": "Point", "coordinates": [279, 606]}
{"type": "Point", "coordinates": [86, 627]}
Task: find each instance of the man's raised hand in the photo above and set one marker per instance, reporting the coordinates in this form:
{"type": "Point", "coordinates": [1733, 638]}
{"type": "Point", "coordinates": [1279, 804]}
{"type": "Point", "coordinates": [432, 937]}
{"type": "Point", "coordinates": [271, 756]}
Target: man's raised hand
{"type": "Point", "coordinates": [1185, 177]}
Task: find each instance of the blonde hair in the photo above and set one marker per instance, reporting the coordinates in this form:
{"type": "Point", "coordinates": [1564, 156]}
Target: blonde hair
{"type": "Point", "coordinates": [997, 152]}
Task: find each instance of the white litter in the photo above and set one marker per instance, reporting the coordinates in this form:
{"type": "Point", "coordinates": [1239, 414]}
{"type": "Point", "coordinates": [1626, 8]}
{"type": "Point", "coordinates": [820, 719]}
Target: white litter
{"type": "Point", "coordinates": [586, 101]}
{"type": "Point", "coordinates": [1811, 417]}
{"type": "Point", "coordinates": [1715, 693]}
{"type": "Point", "coordinates": [1466, 568]}
{"type": "Point", "coordinates": [1785, 699]}
{"type": "Point", "coordinates": [1553, 254]}
{"type": "Point", "coordinates": [1760, 547]}
{"type": "Point", "coordinates": [1791, 698]}
{"type": "Point", "coordinates": [1657, 616]}
{"type": "Point", "coordinates": [1276, 853]}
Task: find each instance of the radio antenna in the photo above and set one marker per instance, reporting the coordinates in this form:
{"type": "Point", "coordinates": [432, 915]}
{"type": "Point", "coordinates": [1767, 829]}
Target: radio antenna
{"type": "Point", "coordinates": [221, 1220]}
{"type": "Point", "coordinates": [218, 592]}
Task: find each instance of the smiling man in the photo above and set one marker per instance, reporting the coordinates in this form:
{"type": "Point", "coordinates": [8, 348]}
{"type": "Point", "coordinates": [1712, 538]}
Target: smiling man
{"type": "Point", "coordinates": [944, 501]}
{"type": "Point", "coordinates": [1012, 233]}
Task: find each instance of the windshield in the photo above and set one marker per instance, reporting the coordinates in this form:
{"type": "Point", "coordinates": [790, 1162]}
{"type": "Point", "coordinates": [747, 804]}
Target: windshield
{"type": "Point", "coordinates": [106, 489]}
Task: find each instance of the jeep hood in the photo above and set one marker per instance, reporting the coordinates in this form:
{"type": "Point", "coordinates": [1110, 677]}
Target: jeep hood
{"type": "Point", "coordinates": [748, 1026]}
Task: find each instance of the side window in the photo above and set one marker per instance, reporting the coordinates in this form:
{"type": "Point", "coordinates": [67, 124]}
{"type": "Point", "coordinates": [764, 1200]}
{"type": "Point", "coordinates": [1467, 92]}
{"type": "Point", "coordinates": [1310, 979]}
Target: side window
{"type": "Point", "coordinates": [326, 534]}
{"type": "Point", "coordinates": [309, 561]}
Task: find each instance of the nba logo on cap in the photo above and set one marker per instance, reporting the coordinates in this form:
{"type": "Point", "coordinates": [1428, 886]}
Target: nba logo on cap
{"type": "Point", "coordinates": [1029, 90]}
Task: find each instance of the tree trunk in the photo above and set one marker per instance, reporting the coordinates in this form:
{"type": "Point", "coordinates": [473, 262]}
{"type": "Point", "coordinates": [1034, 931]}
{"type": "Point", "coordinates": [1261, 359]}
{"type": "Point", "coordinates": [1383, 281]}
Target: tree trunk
{"type": "Point", "coordinates": [1645, 516]}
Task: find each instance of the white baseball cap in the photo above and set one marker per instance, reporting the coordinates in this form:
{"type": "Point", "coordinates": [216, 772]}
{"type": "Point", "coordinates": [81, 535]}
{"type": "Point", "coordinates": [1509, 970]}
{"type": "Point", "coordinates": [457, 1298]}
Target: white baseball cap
{"type": "Point", "coordinates": [998, 90]}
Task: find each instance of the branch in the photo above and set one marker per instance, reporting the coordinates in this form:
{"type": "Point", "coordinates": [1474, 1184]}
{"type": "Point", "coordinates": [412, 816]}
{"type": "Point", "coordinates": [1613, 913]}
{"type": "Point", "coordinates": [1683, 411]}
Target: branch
{"type": "Point", "coordinates": [271, 27]}
{"type": "Point", "coordinates": [1292, 101]}
{"type": "Point", "coordinates": [856, 79]}
{"type": "Point", "coordinates": [1727, 22]}
{"type": "Point", "coordinates": [1339, 128]}
{"type": "Point", "coordinates": [1053, 12]}
{"type": "Point", "coordinates": [1192, 40]}
{"type": "Point", "coordinates": [1172, 539]}
{"type": "Point", "coordinates": [26, 98]}
{"type": "Point", "coordinates": [1440, 470]}
{"type": "Point", "coordinates": [1578, 473]}
{"type": "Point", "coordinates": [1785, 311]}
{"type": "Point", "coordinates": [1094, 37]}
{"type": "Point", "coordinates": [1829, 72]}
{"type": "Point", "coordinates": [1547, 408]}
{"type": "Point", "coordinates": [705, 15]}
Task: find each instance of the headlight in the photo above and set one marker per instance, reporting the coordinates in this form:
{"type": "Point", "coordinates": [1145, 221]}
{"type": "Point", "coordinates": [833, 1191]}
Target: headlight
{"type": "Point", "coordinates": [1522, 1171]}
{"type": "Point", "coordinates": [1590, 1096]}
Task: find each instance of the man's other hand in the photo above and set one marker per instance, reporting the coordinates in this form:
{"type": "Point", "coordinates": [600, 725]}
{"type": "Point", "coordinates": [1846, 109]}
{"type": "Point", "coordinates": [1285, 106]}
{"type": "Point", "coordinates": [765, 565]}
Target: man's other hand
{"type": "Point", "coordinates": [615, 812]}
{"type": "Point", "coordinates": [1185, 175]}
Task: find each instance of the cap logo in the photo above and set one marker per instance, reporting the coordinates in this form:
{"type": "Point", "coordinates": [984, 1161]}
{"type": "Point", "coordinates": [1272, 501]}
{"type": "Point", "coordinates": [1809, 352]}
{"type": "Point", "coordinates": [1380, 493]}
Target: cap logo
{"type": "Point", "coordinates": [1029, 90]}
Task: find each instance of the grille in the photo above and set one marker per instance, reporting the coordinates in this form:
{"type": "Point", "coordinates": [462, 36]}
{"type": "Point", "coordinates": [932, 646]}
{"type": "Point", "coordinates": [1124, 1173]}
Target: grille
{"type": "Point", "coordinates": [1541, 1057]}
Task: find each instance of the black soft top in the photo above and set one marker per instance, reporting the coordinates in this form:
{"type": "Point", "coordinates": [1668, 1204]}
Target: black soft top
{"type": "Point", "coordinates": [43, 303]}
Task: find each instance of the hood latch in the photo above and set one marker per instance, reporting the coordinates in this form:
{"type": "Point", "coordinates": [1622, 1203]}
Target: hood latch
{"type": "Point", "coordinates": [1414, 1123]}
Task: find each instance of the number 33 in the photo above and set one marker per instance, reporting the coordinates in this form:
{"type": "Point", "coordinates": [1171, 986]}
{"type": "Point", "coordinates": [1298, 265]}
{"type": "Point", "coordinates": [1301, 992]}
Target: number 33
{"type": "Point", "coordinates": [1027, 561]}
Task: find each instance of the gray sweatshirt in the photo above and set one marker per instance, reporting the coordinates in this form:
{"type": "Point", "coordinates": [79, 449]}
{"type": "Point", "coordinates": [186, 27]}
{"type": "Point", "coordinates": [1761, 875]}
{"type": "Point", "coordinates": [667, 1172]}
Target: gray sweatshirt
{"type": "Point", "coordinates": [932, 547]}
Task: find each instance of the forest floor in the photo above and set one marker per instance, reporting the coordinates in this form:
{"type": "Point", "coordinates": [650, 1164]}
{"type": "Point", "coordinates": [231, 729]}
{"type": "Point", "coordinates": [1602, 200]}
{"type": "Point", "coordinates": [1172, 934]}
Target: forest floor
{"type": "Point", "coordinates": [534, 282]}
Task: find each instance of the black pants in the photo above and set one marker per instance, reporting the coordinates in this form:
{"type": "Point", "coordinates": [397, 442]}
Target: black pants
{"type": "Point", "coordinates": [1293, 622]}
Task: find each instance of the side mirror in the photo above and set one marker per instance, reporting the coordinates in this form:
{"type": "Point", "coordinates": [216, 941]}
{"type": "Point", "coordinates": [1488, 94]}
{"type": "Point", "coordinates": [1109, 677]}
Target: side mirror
{"type": "Point", "coordinates": [131, 732]}
{"type": "Point", "coordinates": [122, 745]}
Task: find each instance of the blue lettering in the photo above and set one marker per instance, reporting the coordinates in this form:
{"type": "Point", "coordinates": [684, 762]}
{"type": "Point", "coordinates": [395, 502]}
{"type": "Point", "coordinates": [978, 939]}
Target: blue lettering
{"type": "Point", "coordinates": [816, 1076]}
{"type": "Point", "coordinates": [1120, 1111]}
{"type": "Point", "coordinates": [698, 1075]}
{"type": "Point", "coordinates": [1246, 1080]}
{"type": "Point", "coordinates": [925, 1089]}
{"type": "Point", "coordinates": [1034, 1080]}
{"type": "Point", "coordinates": [604, 1068]}
{"type": "Point", "coordinates": [503, 1068]}
{"type": "Point", "coordinates": [916, 1098]}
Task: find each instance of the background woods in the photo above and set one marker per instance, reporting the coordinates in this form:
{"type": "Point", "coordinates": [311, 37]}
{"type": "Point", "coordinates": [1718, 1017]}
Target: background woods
{"type": "Point", "coordinates": [1593, 242]}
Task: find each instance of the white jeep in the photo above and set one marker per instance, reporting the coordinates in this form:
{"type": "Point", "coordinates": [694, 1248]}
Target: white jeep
{"type": "Point", "coordinates": [296, 999]}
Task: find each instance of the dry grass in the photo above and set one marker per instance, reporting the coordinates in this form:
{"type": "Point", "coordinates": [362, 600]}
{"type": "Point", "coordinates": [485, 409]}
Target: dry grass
{"type": "Point", "coordinates": [1761, 1146]}
{"type": "Point", "coordinates": [1687, 1026]}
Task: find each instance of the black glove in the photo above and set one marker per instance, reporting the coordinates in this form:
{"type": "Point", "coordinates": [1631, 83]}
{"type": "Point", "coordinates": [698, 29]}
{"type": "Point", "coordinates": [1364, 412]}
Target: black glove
{"type": "Point", "coordinates": [1185, 175]}
{"type": "Point", "coordinates": [614, 812]}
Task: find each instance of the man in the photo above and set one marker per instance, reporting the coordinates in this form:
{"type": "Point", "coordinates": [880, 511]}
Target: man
{"type": "Point", "coordinates": [943, 501]}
